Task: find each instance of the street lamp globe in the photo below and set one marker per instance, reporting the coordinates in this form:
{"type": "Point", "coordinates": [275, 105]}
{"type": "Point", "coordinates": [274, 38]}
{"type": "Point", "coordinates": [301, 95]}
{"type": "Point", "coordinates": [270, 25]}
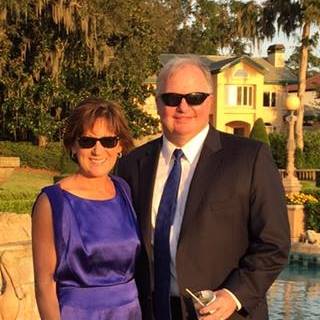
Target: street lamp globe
{"type": "Point", "coordinates": [292, 103]}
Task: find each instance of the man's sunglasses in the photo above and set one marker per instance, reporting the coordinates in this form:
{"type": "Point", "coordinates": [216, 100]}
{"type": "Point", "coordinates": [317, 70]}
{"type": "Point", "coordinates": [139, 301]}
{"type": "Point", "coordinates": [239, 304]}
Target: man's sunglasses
{"type": "Point", "coordinates": [172, 99]}
{"type": "Point", "coordinates": [90, 142]}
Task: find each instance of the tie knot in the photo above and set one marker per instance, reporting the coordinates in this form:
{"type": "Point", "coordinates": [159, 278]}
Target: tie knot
{"type": "Point", "coordinates": [178, 153]}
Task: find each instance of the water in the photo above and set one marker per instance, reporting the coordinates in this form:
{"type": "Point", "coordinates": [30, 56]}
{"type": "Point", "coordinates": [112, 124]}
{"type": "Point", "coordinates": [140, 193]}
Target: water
{"type": "Point", "coordinates": [295, 295]}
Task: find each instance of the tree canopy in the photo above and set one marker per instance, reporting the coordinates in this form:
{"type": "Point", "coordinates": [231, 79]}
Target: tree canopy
{"type": "Point", "coordinates": [54, 53]}
{"type": "Point", "coordinates": [211, 27]}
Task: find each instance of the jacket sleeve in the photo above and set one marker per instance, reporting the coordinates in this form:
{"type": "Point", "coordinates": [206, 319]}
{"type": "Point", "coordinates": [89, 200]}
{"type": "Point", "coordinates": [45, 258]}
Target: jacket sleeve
{"type": "Point", "coordinates": [269, 235]}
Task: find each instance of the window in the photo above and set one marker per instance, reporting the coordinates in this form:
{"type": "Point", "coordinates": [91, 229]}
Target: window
{"type": "Point", "coordinates": [239, 95]}
{"type": "Point", "coordinates": [269, 99]}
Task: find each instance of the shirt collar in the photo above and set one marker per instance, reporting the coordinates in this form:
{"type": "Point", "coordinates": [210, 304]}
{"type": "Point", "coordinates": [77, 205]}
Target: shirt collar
{"type": "Point", "coordinates": [190, 150]}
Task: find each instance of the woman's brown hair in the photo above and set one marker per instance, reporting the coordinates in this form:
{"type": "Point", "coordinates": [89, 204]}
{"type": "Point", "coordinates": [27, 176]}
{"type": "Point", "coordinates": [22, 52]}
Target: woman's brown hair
{"type": "Point", "coordinates": [87, 112]}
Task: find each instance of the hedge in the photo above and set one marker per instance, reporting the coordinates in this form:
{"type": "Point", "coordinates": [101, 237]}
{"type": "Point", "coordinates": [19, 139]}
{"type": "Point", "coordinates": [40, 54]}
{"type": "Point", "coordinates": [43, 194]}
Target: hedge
{"type": "Point", "coordinates": [308, 159]}
{"type": "Point", "coordinates": [259, 132]}
{"type": "Point", "coordinates": [312, 211]}
{"type": "Point", "coordinates": [18, 202]}
{"type": "Point", "coordinates": [51, 157]}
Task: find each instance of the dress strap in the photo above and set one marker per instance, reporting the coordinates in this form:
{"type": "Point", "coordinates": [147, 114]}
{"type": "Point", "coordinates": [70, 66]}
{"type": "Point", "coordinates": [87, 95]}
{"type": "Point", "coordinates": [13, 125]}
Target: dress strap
{"type": "Point", "coordinates": [56, 199]}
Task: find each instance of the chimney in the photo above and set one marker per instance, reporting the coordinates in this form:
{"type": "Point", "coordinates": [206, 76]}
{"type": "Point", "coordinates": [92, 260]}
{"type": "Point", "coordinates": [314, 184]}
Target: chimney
{"type": "Point", "coordinates": [276, 55]}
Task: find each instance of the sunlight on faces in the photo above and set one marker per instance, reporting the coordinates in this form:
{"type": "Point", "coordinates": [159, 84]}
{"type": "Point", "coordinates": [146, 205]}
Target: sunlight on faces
{"type": "Point", "coordinates": [182, 123]}
{"type": "Point", "coordinates": [97, 161]}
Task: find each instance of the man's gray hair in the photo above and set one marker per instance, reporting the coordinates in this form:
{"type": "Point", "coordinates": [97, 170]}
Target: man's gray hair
{"type": "Point", "coordinates": [176, 63]}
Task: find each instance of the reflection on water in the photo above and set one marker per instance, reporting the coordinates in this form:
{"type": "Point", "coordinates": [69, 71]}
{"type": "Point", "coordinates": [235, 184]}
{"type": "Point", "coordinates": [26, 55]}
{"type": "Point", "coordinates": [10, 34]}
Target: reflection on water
{"type": "Point", "coordinates": [295, 295]}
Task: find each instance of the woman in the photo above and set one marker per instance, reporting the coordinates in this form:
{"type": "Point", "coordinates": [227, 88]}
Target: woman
{"type": "Point", "coordinates": [84, 232]}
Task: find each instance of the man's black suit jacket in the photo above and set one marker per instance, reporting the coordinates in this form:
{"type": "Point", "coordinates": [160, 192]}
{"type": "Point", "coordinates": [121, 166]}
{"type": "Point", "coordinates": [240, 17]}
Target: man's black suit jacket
{"type": "Point", "coordinates": [235, 231]}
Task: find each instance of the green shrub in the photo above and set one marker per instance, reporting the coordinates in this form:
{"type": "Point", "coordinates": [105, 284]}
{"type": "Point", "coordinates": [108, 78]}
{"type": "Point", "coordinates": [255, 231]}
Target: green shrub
{"type": "Point", "coordinates": [308, 159]}
{"type": "Point", "coordinates": [259, 132]}
{"type": "Point", "coordinates": [312, 210]}
{"type": "Point", "coordinates": [18, 202]}
{"type": "Point", "coordinates": [7, 195]}
{"type": "Point", "coordinates": [311, 149]}
{"type": "Point", "coordinates": [300, 161]}
{"type": "Point", "coordinates": [67, 166]}
{"type": "Point", "coordinates": [278, 148]}
{"type": "Point", "coordinates": [33, 156]}
{"type": "Point", "coordinates": [16, 206]}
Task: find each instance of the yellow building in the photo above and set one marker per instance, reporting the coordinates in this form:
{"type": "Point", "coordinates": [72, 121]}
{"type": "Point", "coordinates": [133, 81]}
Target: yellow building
{"type": "Point", "coordinates": [245, 89]}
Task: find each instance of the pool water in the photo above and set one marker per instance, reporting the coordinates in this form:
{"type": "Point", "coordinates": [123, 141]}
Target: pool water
{"type": "Point", "coordinates": [295, 295]}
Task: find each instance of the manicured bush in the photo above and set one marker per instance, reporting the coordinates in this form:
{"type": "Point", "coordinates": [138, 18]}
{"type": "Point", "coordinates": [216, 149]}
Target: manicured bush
{"type": "Point", "coordinates": [67, 166]}
{"type": "Point", "coordinates": [311, 149]}
{"type": "Point", "coordinates": [16, 206]}
{"type": "Point", "coordinates": [278, 148]}
{"type": "Point", "coordinates": [311, 201]}
{"type": "Point", "coordinates": [259, 132]}
{"type": "Point", "coordinates": [308, 159]}
{"type": "Point", "coordinates": [312, 210]}
{"type": "Point", "coordinates": [17, 195]}
{"type": "Point", "coordinates": [18, 202]}
{"type": "Point", "coordinates": [33, 156]}
{"type": "Point", "coordinates": [300, 160]}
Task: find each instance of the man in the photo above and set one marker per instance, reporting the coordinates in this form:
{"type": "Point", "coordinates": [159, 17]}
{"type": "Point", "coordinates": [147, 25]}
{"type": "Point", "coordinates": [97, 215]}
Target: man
{"type": "Point", "coordinates": [229, 230]}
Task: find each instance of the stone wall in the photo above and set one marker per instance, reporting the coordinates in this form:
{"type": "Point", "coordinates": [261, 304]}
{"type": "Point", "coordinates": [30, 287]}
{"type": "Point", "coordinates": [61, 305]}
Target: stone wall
{"type": "Point", "coordinates": [17, 300]}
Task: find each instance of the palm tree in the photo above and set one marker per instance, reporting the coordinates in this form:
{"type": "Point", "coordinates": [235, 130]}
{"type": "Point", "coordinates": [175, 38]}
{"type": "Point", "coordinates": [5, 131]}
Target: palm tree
{"type": "Point", "coordinates": [246, 20]}
{"type": "Point", "coordinates": [290, 16]}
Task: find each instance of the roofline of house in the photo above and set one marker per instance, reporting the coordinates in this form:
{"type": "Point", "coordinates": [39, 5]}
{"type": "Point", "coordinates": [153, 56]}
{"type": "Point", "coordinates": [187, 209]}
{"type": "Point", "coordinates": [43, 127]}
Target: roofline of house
{"type": "Point", "coordinates": [249, 60]}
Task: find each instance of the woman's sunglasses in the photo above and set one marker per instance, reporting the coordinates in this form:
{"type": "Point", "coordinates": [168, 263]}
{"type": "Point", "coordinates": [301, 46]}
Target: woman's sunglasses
{"type": "Point", "coordinates": [172, 99]}
{"type": "Point", "coordinates": [90, 142]}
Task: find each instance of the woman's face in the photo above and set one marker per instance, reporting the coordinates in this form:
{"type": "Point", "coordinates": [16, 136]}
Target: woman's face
{"type": "Point", "coordinates": [97, 161]}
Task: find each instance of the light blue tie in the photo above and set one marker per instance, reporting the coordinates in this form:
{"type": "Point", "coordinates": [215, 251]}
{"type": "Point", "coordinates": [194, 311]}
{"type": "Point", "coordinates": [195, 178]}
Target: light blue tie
{"type": "Point", "coordinates": [165, 217]}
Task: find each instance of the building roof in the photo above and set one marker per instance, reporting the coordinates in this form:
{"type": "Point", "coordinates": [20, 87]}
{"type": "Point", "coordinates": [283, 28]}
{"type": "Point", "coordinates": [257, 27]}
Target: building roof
{"type": "Point", "coordinates": [312, 84]}
{"type": "Point", "coordinates": [216, 64]}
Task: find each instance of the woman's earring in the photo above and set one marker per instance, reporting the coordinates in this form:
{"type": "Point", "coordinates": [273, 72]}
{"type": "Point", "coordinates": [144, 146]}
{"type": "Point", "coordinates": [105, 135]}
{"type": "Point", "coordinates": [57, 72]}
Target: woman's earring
{"type": "Point", "coordinates": [119, 155]}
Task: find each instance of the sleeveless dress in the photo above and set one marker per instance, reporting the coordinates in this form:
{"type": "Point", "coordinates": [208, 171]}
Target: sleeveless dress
{"type": "Point", "coordinates": [96, 243]}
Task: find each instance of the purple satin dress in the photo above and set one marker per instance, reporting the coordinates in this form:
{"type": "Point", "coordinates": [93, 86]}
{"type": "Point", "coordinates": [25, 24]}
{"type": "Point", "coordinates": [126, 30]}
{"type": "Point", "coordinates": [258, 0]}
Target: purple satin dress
{"type": "Point", "coordinates": [96, 243]}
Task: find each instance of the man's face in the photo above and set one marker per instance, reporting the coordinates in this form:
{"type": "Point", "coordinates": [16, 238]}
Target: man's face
{"type": "Point", "coordinates": [183, 122]}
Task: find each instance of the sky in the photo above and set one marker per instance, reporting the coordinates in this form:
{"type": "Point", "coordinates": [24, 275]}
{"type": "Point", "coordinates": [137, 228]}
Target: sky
{"type": "Point", "coordinates": [289, 44]}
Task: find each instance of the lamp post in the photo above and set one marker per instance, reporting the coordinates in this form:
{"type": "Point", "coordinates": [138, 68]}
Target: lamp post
{"type": "Point", "coordinates": [290, 182]}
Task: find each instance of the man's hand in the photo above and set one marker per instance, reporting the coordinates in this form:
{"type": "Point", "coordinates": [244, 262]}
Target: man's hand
{"type": "Point", "coordinates": [220, 309]}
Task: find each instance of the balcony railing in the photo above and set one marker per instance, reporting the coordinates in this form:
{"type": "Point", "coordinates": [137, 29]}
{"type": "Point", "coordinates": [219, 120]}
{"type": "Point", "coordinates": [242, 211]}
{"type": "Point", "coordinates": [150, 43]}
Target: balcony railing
{"type": "Point", "coordinates": [303, 174]}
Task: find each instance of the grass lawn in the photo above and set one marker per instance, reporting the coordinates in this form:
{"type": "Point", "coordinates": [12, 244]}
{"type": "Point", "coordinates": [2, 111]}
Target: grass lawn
{"type": "Point", "coordinates": [27, 180]}
{"type": "Point", "coordinates": [19, 192]}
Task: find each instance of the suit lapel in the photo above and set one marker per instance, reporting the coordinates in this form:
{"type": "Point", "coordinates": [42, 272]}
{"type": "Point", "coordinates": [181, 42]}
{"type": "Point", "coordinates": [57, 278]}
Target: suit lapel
{"type": "Point", "coordinates": [206, 169]}
{"type": "Point", "coordinates": [147, 172]}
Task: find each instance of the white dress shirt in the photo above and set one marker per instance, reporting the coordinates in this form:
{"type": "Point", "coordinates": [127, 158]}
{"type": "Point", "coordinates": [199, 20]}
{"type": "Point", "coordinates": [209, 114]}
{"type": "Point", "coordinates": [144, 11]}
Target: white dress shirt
{"type": "Point", "coordinates": [189, 161]}
{"type": "Point", "coordinates": [191, 151]}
